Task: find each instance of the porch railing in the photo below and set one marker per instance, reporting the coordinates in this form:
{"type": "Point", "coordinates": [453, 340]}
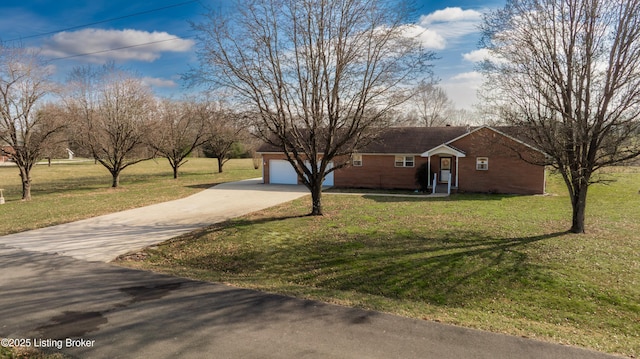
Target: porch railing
{"type": "Point", "coordinates": [435, 184]}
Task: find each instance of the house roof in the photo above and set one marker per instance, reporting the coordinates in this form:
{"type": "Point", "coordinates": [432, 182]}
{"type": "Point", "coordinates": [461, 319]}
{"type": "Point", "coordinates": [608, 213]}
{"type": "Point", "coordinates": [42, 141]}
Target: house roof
{"type": "Point", "coordinates": [402, 140]}
{"type": "Point", "coordinates": [417, 140]}
{"type": "Point", "coordinates": [412, 139]}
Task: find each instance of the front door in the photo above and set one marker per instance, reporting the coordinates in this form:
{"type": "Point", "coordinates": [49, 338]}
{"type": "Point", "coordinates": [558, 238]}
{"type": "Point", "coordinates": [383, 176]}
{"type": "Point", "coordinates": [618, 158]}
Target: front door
{"type": "Point", "coordinates": [445, 169]}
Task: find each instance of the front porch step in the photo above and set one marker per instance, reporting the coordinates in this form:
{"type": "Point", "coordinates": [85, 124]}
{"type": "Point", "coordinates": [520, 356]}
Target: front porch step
{"type": "Point", "coordinates": [441, 189]}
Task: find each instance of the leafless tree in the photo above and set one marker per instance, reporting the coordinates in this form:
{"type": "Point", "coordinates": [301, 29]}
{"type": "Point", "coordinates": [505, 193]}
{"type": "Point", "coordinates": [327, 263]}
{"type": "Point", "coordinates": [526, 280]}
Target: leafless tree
{"type": "Point", "coordinates": [225, 129]}
{"type": "Point", "coordinates": [113, 111]}
{"type": "Point", "coordinates": [568, 72]}
{"type": "Point", "coordinates": [58, 142]}
{"type": "Point", "coordinates": [179, 128]}
{"type": "Point", "coordinates": [431, 105]}
{"type": "Point", "coordinates": [465, 117]}
{"type": "Point", "coordinates": [319, 75]}
{"type": "Point", "coordinates": [252, 144]}
{"type": "Point", "coordinates": [24, 84]}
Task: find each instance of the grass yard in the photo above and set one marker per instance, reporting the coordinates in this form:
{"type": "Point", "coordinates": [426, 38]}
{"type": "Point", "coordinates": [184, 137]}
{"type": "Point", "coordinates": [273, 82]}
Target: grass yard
{"type": "Point", "coordinates": [494, 262]}
{"type": "Point", "coordinates": [81, 189]}
{"type": "Point", "coordinates": [29, 353]}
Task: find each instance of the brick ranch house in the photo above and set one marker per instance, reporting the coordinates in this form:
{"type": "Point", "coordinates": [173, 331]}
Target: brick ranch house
{"type": "Point", "coordinates": [483, 159]}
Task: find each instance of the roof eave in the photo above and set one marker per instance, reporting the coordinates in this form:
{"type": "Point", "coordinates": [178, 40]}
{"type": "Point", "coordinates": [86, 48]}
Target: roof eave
{"type": "Point", "coordinates": [443, 149]}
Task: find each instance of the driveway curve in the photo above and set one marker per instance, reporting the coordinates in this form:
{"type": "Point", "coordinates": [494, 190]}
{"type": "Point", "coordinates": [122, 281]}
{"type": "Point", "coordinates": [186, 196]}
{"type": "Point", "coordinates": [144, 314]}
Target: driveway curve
{"type": "Point", "coordinates": [106, 237]}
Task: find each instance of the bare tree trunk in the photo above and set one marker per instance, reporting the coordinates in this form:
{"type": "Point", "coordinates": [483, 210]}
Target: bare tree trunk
{"type": "Point", "coordinates": [175, 164]}
{"type": "Point", "coordinates": [220, 164]}
{"type": "Point", "coordinates": [25, 175]}
{"type": "Point", "coordinates": [116, 179]}
{"type": "Point", "coordinates": [579, 205]}
{"type": "Point", "coordinates": [316, 200]}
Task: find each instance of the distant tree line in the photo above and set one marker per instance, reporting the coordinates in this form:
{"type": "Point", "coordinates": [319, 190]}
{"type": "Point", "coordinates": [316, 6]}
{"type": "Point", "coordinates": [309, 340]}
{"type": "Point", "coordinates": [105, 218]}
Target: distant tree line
{"type": "Point", "coordinates": [107, 114]}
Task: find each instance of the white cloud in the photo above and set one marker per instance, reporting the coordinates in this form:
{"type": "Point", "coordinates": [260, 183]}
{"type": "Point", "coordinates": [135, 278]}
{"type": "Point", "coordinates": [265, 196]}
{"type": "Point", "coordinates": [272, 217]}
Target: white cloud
{"type": "Point", "coordinates": [428, 38]}
{"type": "Point", "coordinates": [97, 42]}
{"type": "Point", "coordinates": [472, 76]}
{"type": "Point", "coordinates": [462, 88]}
{"type": "Point", "coordinates": [477, 55]}
{"type": "Point", "coordinates": [451, 14]}
{"type": "Point", "coordinates": [452, 23]}
{"type": "Point", "coordinates": [158, 82]}
{"type": "Point", "coordinates": [481, 55]}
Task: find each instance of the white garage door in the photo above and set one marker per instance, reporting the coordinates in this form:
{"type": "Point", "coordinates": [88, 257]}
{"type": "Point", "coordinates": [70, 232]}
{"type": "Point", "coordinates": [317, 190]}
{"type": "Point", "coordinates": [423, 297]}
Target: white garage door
{"type": "Point", "coordinates": [328, 180]}
{"type": "Point", "coordinates": [281, 172]}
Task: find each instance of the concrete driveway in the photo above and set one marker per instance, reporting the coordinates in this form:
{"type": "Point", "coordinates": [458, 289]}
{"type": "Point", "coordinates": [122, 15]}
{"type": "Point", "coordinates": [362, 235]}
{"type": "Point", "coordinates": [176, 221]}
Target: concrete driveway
{"type": "Point", "coordinates": [105, 237]}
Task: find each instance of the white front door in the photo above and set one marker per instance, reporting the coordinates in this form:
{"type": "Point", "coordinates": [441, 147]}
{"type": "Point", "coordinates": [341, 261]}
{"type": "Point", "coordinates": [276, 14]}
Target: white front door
{"type": "Point", "coordinates": [445, 169]}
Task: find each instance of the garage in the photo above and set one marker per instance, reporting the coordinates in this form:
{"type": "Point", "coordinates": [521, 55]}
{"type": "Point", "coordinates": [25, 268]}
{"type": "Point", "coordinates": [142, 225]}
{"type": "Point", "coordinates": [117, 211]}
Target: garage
{"type": "Point", "coordinates": [281, 172]}
{"type": "Point", "coordinates": [328, 180]}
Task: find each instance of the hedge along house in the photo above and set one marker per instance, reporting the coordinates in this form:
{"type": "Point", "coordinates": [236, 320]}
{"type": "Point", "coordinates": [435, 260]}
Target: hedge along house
{"type": "Point", "coordinates": [458, 159]}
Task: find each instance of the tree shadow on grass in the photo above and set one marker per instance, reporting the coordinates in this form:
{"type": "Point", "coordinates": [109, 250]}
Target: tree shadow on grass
{"type": "Point", "coordinates": [224, 225]}
{"type": "Point", "coordinates": [450, 268]}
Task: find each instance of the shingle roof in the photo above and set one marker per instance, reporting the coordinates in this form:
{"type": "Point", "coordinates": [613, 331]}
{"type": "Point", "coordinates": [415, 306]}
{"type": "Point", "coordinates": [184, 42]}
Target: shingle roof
{"type": "Point", "coordinates": [417, 140]}
{"type": "Point", "coordinates": [412, 139]}
{"type": "Point", "coordinates": [402, 140]}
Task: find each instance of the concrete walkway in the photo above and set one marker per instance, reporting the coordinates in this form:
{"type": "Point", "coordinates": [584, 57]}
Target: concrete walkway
{"type": "Point", "coordinates": [105, 237]}
{"type": "Point", "coordinates": [99, 310]}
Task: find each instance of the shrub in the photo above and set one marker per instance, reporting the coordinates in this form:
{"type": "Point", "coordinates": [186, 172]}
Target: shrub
{"type": "Point", "coordinates": [422, 177]}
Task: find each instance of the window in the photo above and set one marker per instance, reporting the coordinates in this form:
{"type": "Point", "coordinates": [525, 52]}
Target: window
{"type": "Point", "coordinates": [356, 160]}
{"type": "Point", "coordinates": [404, 161]}
{"type": "Point", "coordinates": [482, 163]}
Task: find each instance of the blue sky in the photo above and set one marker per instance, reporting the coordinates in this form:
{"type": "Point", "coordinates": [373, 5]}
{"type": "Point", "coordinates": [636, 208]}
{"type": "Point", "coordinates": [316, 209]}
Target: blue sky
{"type": "Point", "coordinates": [447, 27]}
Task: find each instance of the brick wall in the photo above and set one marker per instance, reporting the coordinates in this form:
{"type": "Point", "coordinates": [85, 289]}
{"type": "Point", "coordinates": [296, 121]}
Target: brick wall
{"type": "Point", "coordinates": [507, 172]}
{"type": "Point", "coordinates": [379, 171]}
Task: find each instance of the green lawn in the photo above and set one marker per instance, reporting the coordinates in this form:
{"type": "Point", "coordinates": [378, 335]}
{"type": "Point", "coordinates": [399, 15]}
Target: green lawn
{"type": "Point", "coordinates": [81, 189]}
{"type": "Point", "coordinates": [494, 262]}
